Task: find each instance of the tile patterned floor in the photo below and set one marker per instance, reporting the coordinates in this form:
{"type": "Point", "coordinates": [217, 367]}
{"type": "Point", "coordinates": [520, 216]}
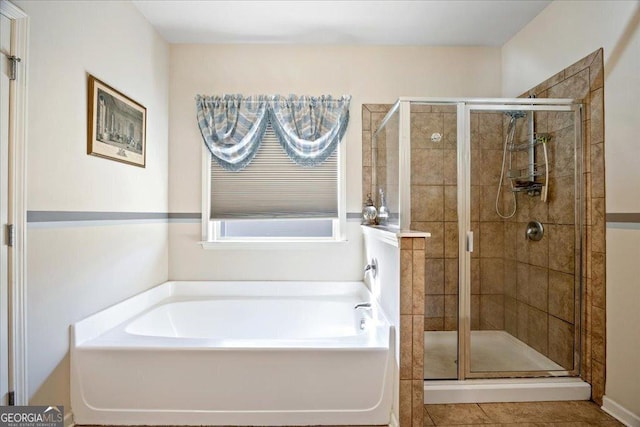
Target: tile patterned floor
{"type": "Point", "coordinates": [528, 414]}
{"type": "Point", "coordinates": [538, 414]}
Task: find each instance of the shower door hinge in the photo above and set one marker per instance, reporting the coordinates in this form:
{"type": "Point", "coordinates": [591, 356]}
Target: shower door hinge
{"type": "Point", "coordinates": [11, 398]}
{"type": "Point", "coordinates": [469, 241]}
{"type": "Point", "coordinates": [10, 234]}
{"type": "Point", "coordinates": [13, 69]}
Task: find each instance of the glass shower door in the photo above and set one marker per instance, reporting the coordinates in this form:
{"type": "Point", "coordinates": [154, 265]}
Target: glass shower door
{"type": "Point", "coordinates": [520, 240]}
{"type": "Point", "coordinates": [433, 150]}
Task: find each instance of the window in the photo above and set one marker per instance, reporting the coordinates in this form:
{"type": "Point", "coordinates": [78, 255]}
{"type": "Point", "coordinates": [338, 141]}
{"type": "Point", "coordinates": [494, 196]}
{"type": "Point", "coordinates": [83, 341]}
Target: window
{"type": "Point", "coordinates": [274, 199]}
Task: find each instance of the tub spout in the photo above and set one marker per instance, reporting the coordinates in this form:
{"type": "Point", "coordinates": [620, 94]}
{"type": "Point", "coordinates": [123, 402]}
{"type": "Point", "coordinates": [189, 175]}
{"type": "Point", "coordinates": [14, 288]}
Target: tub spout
{"type": "Point", "coordinates": [364, 305]}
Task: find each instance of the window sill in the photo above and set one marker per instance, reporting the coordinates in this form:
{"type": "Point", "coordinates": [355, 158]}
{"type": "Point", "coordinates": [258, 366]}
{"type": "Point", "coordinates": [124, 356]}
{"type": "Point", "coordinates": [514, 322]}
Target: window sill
{"type": "Point", "coordinates": [271, 244]}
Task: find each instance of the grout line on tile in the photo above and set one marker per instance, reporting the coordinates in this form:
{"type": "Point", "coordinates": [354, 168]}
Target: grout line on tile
{"type": "Point", "coordinates": [426, 412]}
{"type": "Point", "coordinates": [485, 413]}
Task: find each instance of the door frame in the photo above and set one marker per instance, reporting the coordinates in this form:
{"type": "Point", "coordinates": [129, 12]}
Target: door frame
{"type": "Point", "coordinates": [18, 380]}
{"type": "Point", "coordinates": [465, 234]}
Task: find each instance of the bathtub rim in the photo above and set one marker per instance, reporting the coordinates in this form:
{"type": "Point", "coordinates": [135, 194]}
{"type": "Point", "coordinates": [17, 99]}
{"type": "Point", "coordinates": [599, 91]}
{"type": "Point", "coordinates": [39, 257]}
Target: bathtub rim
{"type": "Point", "coordinates": [97, 324]}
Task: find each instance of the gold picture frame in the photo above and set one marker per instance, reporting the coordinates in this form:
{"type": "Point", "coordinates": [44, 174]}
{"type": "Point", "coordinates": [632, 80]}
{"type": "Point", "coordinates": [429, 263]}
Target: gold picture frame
{"type": "Point", "coordinates": [116, 125]}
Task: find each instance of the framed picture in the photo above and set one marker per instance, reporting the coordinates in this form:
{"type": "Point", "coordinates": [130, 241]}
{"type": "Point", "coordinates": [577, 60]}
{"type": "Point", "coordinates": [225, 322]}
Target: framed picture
{"type": "Point", "coordinates": [116, 125]}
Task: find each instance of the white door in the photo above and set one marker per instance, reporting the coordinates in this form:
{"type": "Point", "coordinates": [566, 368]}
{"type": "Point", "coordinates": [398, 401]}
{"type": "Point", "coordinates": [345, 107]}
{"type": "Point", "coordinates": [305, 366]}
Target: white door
{"type": "Point", "coordinates": [5, 69]}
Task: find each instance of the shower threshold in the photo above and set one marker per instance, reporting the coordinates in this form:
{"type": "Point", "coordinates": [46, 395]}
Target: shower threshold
{"type": "Point", "coordinates": [506, 390]}
{"type": "Point", "coordinates": [493, 351]}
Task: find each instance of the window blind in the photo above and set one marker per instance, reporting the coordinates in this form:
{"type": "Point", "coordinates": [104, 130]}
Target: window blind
{"type": "Point", "coordinates": [273, 186]}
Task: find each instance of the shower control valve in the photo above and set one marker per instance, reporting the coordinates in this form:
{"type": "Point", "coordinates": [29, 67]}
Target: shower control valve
{"type": "Point", "coordinates": [372, 267]}
{"type": "Point", "coordinates": [535, 231]}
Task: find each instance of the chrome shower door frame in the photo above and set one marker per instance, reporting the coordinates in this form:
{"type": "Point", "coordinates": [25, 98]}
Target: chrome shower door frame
{"type": "Point", "coordinates": [464, 107]}
{"type": "Point", "coordinates": [465, 234]}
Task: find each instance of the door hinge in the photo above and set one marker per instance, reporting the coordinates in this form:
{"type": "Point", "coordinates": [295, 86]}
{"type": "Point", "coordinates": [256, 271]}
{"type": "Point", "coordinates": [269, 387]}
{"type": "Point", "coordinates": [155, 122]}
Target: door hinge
{"type": "Point", "coordinates": [10, 234]}
{"type": "Point", "coordinates": [13, 71]}
{"type": "Point", "coordinates": [11, 398]}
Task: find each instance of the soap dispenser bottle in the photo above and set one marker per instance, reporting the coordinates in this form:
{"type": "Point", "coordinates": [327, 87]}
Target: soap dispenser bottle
{"type": "Point", "coordinates": [383, 211]}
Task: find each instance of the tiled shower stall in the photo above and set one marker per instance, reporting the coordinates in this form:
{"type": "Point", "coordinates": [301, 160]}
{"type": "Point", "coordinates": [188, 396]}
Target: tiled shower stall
{"type": "Point", "coordinates": [541, 292]}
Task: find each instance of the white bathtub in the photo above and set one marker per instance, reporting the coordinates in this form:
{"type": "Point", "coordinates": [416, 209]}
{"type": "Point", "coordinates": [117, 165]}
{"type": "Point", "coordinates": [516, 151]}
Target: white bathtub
{"type": "Point", "coordinates": [234, 353]}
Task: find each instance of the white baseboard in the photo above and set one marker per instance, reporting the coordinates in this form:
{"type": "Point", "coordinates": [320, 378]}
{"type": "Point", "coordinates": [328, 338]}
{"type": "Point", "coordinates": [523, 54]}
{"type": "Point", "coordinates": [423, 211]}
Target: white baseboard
{"type": "Point", "coordinates": [68, 420]}
{"type": "Point", "coordinates": [619, 412]}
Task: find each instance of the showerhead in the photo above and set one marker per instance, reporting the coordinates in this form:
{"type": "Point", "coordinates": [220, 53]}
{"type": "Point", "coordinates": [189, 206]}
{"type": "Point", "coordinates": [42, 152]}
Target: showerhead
{"type": "Point", "coordinates": [516, 114]}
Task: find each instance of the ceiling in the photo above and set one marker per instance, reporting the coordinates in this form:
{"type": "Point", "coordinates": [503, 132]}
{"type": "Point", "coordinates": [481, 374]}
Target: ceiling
{"type": "Point", "coordinates": [445, 23]}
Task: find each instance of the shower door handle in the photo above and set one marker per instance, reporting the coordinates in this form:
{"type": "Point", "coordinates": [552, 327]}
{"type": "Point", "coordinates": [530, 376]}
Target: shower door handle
{"type": "Point", "coordinates": [469, 241]}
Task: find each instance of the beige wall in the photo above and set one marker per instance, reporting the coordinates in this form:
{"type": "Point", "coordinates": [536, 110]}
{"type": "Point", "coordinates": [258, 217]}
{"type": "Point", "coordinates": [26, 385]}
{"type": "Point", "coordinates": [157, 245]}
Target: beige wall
{"type": "Point", "coordinates": [68, 40]}
{"type": "Point", "coordinates": [563, 33]}
{"type": "Point", "coordinates": [623, 344]}
{"type": "Point", "coordinates": [76, 269]}
{"type": "Point", "coordinates": [371, 74]}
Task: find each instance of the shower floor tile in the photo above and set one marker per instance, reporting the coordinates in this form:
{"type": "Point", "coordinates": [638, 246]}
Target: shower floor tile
{"type": "Point", "coordinates": [491, 351]}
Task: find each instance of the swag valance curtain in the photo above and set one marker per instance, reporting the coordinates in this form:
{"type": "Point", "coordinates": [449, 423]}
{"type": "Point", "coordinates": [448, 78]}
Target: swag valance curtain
{"type": "Point", "coordinates": [308, 128]}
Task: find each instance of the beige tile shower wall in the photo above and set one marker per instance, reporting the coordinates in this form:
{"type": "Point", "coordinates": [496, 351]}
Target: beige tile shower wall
{"type": "Point", "coordinates": [433, 209]}
{"type": "Point", "coordinates": [487, 260]}
{"type": "Point", "coordinates": [582, 80]}
{"type": "Point", "coordinates": [540, 297]}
